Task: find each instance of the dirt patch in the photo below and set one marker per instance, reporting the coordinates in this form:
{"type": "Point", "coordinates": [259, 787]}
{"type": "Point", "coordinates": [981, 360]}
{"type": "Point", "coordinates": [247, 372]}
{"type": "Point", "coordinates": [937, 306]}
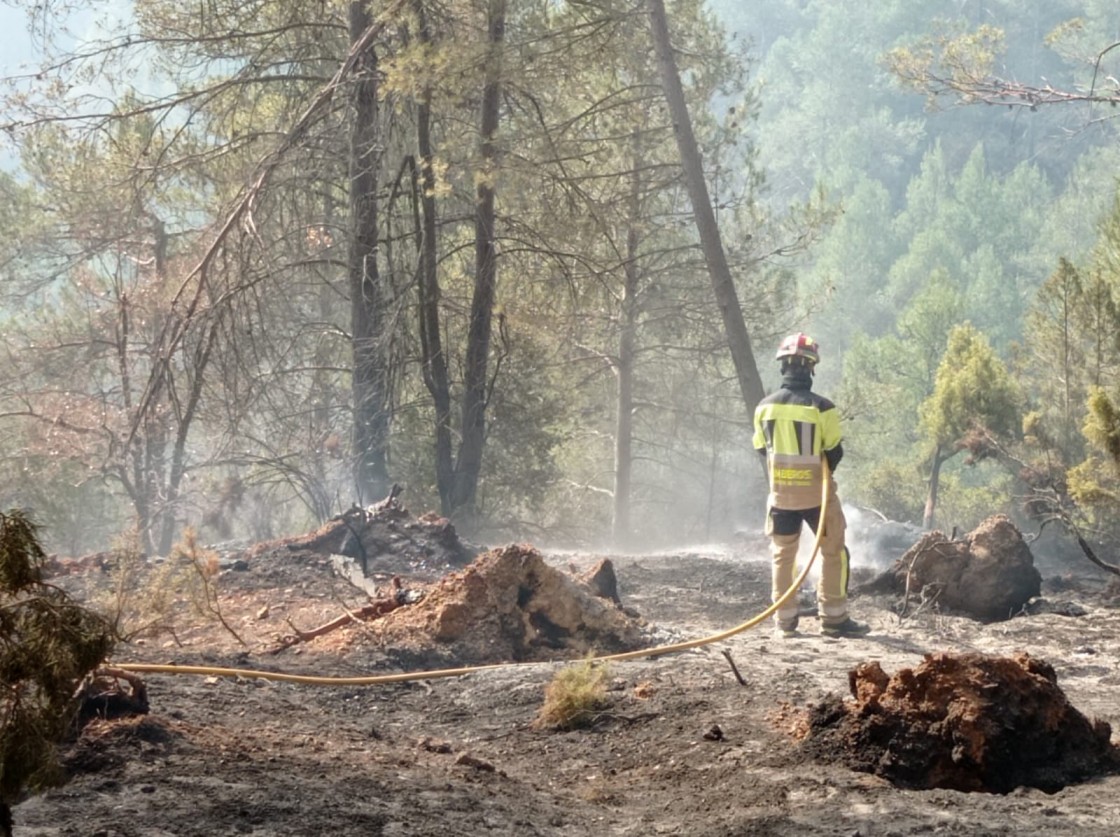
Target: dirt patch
{"type": "Point", "coordinates": [967, 722]}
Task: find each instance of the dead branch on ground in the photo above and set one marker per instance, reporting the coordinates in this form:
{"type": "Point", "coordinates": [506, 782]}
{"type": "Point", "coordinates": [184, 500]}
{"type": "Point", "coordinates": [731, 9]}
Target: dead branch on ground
{"type": "Point", "coordinates": [374, 610]}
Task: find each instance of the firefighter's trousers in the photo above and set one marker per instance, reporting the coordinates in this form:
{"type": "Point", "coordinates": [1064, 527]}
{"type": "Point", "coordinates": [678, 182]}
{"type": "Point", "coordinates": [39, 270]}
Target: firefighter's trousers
{"type": "Point", "coordinates": [784, 528]}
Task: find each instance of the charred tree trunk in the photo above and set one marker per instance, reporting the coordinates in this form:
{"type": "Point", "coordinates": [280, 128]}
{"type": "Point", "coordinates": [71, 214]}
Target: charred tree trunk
{"type": "Point", "coordinates": [157, 461]}
{"type": "Point", "coordinates": [185, 405]}
{"type": "Point", "coordinates": [475, 381]}
{"type": "Point", "coordinates": [727, 298]}
{"type": "Point", "coordinates": [433, 360]}
{"type": "Point", "coordinates": [369, 387]}
{"type": "Point", "coordinates": [624, 421]}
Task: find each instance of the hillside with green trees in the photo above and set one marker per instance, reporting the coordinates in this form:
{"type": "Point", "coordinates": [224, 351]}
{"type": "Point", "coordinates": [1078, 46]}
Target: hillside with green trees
{"type": "Point", "coordinates": [966, 282]}
{"type": "Point", "coordinates": [265, 260]}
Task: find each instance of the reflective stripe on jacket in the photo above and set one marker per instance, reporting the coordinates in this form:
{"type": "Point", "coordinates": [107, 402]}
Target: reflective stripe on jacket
{"type": "Point", "coordinates": [795, 426]}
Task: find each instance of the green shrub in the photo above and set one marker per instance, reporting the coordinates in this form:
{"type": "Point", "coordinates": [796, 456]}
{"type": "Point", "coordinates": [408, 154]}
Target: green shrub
{"type": "Point", "coordinates": [48, 645]}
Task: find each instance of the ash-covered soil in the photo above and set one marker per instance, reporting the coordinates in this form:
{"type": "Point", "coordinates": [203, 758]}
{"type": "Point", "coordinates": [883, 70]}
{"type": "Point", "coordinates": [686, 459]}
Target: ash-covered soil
{"type": "Point", "coordinates": [683, 747]}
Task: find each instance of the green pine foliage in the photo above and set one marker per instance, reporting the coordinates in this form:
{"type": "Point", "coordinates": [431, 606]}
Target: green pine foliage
{"type": "Point", "coordinates": [48, 644]}
{"type": "Point", "coordinates": [1095, 483]}
{"type": "Point", "coordinates": [973, 392]}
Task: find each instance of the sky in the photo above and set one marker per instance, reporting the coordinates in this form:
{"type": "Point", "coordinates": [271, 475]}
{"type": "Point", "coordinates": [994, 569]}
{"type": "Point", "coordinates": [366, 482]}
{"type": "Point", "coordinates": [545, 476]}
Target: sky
{"type": "Point", "coordinates": [18, 55]}
{"type": "Point", "coordinates": [15, 42]}
{"type": "Point", "coordinates": [15, 57]}
{"type": "Point", "coordinates": [16, 50]}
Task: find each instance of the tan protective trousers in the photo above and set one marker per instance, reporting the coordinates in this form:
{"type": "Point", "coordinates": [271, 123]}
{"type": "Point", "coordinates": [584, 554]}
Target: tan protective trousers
{"type": "Point", "coordinates": [832, 589]}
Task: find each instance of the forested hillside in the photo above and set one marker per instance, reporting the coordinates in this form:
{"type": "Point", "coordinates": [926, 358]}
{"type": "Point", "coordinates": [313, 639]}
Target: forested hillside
{"type": "Point", "coordinates": [265, 260]}
{"type": "Point", "coordinates": [972, 150]}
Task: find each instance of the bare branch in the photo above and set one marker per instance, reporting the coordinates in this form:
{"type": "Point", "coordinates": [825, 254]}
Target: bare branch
{"type": "Point", "coordinates": [176, 328]}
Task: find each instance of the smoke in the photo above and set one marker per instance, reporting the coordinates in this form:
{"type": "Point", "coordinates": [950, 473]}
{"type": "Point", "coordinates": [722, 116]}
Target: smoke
{"type": "Point", "coordinates": [876, 543]}
{"type": "Point", "coordinates": [873, 543]}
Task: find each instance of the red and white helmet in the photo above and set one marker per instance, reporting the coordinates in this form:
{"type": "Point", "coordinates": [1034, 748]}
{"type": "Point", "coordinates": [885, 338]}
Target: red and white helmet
{"type": "Point", "coordinates": [799, 345]}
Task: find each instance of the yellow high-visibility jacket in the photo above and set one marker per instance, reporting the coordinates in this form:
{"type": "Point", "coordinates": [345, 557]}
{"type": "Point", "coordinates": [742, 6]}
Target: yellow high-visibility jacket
{"type": "Point", "coordinates": [794, 427]}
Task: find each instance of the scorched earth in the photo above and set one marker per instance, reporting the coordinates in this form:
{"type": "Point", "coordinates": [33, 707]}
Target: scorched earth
{"type": "Point", "coordinates": [682, 747]}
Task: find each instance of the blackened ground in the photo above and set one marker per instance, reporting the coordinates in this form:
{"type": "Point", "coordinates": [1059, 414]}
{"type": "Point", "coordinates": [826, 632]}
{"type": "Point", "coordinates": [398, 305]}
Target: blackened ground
{"type": "Point", "coordinates": [220, 756]}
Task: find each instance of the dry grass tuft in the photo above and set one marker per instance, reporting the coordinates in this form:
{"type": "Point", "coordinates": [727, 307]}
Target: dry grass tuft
{"type": "Point", "coordinates": [574, 698]}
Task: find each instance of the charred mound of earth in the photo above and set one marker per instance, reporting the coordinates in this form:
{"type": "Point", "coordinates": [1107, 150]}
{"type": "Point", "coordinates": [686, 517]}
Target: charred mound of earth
{"type": "Point", "coordinates": [966, 722]}
{"type": "Point", "coordinates": [989, 574]}
{"type": "Point", "coordinates": [509, 605]}
{"type": "Point", "coordinates": [448, 605]}
{"type": "Point", "coordinates": [435, 601]}
{"type": "Point", "coordinates": [382, 538]}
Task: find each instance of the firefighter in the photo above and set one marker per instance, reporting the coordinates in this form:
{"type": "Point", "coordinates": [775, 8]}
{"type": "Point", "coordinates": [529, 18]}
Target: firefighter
{"type": "Point", "coordinates": [793, 429]}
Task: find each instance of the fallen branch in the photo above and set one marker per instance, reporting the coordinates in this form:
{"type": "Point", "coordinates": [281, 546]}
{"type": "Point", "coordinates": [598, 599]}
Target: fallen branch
{"type": "Point", "coordinates": [906, 589]}
{"type": "Point", "coordinates": [373, 610]}
{"type": "Point", "coordinates": [734, 668]}
{"type": "Point", "coordinates": [626, 719]}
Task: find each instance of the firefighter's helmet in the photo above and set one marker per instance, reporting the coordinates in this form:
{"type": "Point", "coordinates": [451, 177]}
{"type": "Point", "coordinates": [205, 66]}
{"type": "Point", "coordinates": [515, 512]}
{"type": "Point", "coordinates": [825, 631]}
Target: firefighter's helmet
{"type": "Point", "coordinates": [800, 345]}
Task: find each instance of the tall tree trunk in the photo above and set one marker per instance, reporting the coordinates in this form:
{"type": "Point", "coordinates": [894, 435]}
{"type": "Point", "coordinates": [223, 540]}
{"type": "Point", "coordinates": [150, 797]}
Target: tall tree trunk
{"type": "Point", "coordinates": [140, 493]}
{"type": "Point", "coordinates": [322, 398]}
{"type": "Point", "coordinates": [433, 360]}
{"type": "Point", "coordinates": [931, 494]}
{"type": "Point", "coordinates": [624, 419]}
{"type": "Point", "coordinates": [133, 471]}
{"type": "Point", "coordinates": [369, 387]}
{"type": "Point", "coordinates": [469, 461]}
{"type": "Point", "coordinates": [627, 339]}
{"type": "Point", "coordinates": [727, 298]}
{"type": "Point", "coordinates": [186, 409]}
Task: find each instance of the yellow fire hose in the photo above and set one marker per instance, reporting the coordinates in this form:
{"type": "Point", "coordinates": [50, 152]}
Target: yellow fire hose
{"type": "Point", "coordinates": [402, 677]}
